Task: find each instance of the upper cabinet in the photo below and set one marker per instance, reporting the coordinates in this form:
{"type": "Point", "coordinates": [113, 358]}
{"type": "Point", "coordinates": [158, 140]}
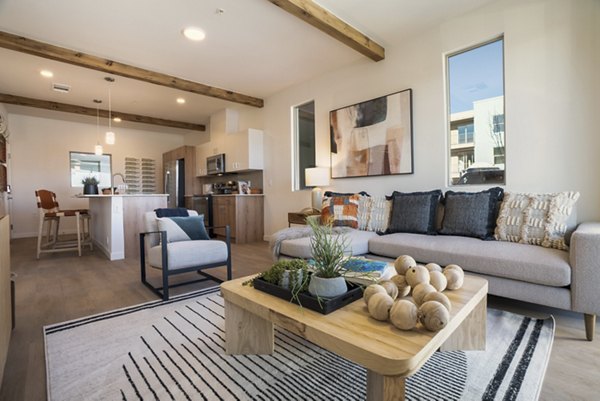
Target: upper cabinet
{"type": "Point", "coordinates": [243, 151]}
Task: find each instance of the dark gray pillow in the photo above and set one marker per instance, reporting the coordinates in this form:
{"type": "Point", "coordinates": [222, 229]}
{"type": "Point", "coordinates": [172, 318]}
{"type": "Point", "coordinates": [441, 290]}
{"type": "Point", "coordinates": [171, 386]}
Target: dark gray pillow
{"type": "Point", "coordinates": [414, 212]}
{"type": "Point", "coordinates": [471, 214]}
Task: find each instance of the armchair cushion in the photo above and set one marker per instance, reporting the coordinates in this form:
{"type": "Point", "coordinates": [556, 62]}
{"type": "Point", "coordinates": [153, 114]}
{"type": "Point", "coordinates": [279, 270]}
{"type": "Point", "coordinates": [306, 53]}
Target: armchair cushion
{"type": "Point", "coordinates": [183, 228]}
{"type": "Point", "coordinates": [184, 254]}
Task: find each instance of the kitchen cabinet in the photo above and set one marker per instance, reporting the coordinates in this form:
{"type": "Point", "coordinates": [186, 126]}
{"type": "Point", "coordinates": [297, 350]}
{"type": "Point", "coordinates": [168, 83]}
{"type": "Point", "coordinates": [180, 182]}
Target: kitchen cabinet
{"type": "Point", "coordinates": [244, 151]}
{"type": "Point", "coordinates": [243, 213]}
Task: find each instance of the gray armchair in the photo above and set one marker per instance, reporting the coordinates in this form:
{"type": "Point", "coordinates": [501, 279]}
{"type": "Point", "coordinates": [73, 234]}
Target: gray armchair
{"type": "Point", "coordinates": [181, 256]}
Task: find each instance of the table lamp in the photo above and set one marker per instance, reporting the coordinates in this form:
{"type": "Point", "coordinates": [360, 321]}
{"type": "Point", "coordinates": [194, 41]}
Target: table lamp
{"type": "Point", "coordinates": [317, 177]}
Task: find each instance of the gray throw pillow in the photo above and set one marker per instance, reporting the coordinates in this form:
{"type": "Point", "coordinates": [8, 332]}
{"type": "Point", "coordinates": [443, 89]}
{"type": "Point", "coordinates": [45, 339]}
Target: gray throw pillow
{"type": "Point", "coordinates": [414, 212]}
{"type": "Point", "coordinates": [471, 214]}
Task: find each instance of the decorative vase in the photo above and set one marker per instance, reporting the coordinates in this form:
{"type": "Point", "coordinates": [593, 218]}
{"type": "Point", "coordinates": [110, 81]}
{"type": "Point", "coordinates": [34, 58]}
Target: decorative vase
{"type": "Point", "coordinates": [327, 287]}
{"type": "Point", "coordinates": [90, 189]}
{"type": "Point", "coordinates": [295, 282]}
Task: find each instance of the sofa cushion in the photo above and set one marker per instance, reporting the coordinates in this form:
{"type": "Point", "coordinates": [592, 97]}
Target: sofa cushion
{"type": "Point", "coordinates": [183, 228]}
{"type": "Point", "coordinates": [185, 254]}
{"type": "Point", "coordinates": [497, 258]}
{"type": "Point", "coordinates": [414, 212]}
{"type": "Point", "coordinates": [471, 214]}
{"type": "Point", "coordinates": [357, 244]}
{"type": "Point", "coordinates": [342, 210]}
{"type": "Point", "coordinates": [537, 219]}
{"type": "Point", "coordinates": [379, 214]}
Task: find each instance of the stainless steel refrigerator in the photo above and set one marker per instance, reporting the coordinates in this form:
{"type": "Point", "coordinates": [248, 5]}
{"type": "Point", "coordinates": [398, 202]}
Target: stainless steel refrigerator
{"type": "Point", "coordinates": [174, 181]}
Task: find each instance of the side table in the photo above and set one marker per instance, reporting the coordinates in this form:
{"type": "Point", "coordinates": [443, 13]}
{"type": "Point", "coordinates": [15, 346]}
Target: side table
{"type": "Point", "coordinates": [300, 217]}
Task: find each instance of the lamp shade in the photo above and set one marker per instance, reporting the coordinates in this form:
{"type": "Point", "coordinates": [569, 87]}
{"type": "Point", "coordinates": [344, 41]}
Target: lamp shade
{"type": "Point", "coordinates": [110, 138]}
{"type": "Point", "coordinates": [316, 176]}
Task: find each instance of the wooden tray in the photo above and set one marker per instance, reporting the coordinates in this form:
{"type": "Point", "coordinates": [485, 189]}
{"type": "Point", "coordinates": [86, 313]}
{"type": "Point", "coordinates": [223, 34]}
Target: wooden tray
{"type": "Point", "coordinates": [306, 300]}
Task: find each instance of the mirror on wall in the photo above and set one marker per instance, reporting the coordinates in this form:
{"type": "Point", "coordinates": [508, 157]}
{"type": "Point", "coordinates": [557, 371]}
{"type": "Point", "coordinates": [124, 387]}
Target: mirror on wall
{"type": "Point", "coordinates": [476, 114]}
{"type": "Point", "coordinates": [85, 165]}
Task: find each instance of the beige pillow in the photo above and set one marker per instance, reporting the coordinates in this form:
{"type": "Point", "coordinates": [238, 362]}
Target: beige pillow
{"type": "Point", "coordinates": [379, 214]}
{"type": "Point", "coordinates": [537, 219]}
{"type": "Point", "coordinates": [364, 208]}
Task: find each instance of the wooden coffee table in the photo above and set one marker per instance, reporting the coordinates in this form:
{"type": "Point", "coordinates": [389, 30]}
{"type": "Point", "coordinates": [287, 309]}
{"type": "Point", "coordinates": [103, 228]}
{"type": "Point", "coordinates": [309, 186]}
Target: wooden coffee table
{"type": "Point", "coordinates": [388, 354]}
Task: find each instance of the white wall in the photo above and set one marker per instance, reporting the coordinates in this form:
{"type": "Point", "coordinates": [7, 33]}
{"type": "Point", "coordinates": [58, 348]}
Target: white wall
{"type": "Point", "coordinates": [551, 84]}
{"type": "Point", "coordinates": [40, 160]}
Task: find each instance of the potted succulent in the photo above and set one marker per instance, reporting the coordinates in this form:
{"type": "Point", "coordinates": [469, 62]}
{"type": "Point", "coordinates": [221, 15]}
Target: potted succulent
{"type": "Point", "coordinates": [90, 185]}
{"type": "Point", "coordinates": [327, 251]}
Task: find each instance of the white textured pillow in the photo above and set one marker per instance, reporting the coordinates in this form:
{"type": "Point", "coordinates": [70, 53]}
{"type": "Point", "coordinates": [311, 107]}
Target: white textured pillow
{"type": "Point", "coordinates": [537, 219]}
{"type": "Point", "coordinates": [364, 207]}
{"type": "Point", "coordinates": [379, 214]}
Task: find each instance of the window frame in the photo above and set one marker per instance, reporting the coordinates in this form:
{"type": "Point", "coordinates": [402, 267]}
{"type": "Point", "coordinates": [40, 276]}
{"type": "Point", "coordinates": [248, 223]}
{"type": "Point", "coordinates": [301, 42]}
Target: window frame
{"type": "Point", "coordinates": [298, 179]}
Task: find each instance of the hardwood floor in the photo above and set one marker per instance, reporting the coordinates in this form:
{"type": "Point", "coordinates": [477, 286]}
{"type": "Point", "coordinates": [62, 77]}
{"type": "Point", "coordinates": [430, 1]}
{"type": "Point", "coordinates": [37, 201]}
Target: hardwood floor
{"type": "Point", "coordinates": [61, 287]}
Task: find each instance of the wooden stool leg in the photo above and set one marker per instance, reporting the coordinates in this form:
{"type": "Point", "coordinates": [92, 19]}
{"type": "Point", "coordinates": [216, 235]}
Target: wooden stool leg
{"type": "Point", "coordinates": [77, 216]}
{"type": "Point", "coordinates": [39, 239]}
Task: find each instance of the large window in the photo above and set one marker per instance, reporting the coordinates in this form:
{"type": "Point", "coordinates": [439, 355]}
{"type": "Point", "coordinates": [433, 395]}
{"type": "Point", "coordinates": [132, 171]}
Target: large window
{"type": "Point", "coordinates": [304, 141]}
{"type": "Point", "coordinates": [476, 114]}
{"type": "Point", "coordinates": [85, 165]}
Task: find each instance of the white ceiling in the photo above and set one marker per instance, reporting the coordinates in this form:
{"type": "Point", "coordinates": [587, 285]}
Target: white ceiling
{"type": "Point", "coordinates": [253, 48]}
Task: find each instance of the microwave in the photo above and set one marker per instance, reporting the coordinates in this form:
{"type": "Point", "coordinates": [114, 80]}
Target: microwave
{"type": "Point", "coordinates": [215, 164]}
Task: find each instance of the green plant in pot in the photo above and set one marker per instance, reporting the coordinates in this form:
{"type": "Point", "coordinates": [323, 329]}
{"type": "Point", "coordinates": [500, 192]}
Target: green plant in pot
{"type": "Point", "coordinates": [90, 185]}
{"type": "Point", "coordinates": [327, 251]}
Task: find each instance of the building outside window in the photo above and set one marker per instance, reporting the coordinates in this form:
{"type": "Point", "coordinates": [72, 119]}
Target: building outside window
{"type": "Point", "coordinates": [476, 114]}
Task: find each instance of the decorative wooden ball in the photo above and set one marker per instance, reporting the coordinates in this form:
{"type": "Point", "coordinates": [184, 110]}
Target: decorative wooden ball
{"type": "Point", "coordinates": [453, 266]}
{"type": "Point", "coordinates": [402, 285]}
{"type": "Point", "coordinates": [433, 267]}
{"type": "Point", "coordinates": [404, 315]}
{"type": "Point", "coordinates": [439, 297]}
{"type": "Point", "coordinates": [420, 291]}
{"type": "Point", "coordinates": [371, 290]}
{"type": "Point", "coordinates": [455, 278]}
{"type": "Point", "coordinates": [417, 275]}
{"type": "Point", "coordinates": [379, 306]}
{"type": "Point", "coordinates": [433, 315]}
{"type": "Point", "coordinates": [438, 280]}
{"type": "Point", "coordinates": [403, 263]}
{"type": "Point", "coordinates": [390, 288]}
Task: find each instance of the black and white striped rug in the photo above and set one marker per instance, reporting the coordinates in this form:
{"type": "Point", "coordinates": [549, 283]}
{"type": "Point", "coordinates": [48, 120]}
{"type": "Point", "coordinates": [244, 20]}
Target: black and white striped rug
{"type": "Point", "coordinates": [175, 351]}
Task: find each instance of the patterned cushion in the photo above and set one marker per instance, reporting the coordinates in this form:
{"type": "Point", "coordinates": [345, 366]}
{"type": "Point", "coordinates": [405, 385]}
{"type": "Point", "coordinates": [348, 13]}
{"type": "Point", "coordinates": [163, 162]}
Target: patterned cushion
{"type": "Point", "coordinates": [471, 214]}
{"type": "Point", "coordinates": [343, 210]}
{"type": "Point", "coordinates": [379, 214]}
{"type": "Point", "coordinates": [537, 219]}
{"type": "Point", "coordinates": [414, 212]}
{"type": "Point", "coordinates": [183, 228]}
{"type": "Point", "coordinates": [364, 207]}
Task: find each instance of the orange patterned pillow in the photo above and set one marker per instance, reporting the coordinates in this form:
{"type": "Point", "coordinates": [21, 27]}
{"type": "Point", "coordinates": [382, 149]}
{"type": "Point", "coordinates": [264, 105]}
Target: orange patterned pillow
{"type": "Point", "coordinates": [343, 210]}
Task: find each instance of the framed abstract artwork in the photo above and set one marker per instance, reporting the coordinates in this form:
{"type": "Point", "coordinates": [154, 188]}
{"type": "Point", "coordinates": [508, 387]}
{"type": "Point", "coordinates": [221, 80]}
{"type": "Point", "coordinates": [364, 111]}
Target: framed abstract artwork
{"type": "Point", "coordinates": [373, 137]}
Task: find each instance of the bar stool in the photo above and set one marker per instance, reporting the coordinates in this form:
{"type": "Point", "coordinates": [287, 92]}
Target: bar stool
{"type": "Point", "coordinates": [50, 215]}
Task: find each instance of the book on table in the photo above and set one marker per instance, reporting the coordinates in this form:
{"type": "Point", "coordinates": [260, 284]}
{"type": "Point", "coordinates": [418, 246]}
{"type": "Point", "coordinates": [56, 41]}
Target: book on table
{"type": "Point", "coordinates": [364, 271]}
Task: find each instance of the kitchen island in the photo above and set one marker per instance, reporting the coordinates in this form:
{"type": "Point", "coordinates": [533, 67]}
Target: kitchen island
{"type": "Point", "coordinates": [117, 221]}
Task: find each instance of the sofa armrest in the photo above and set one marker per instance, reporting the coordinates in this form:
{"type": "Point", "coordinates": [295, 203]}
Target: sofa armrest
{"type": "Point", "coordinates": [585, 268]}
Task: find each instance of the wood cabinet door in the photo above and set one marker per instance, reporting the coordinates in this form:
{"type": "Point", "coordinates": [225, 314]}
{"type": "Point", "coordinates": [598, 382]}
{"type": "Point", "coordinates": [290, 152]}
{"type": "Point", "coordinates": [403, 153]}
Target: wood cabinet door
{"type": "Point", "coordinates": [224, 214]}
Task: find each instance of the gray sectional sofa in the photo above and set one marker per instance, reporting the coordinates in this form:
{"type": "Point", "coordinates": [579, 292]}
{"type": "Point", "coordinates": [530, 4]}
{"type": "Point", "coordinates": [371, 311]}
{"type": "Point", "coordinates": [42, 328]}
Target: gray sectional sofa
{"type": "Point", "coordinates": [561, 279]}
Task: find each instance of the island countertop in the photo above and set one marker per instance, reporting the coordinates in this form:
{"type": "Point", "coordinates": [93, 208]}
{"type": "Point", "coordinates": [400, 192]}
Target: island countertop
{"type": "Point", "coordinates": [118, 195]}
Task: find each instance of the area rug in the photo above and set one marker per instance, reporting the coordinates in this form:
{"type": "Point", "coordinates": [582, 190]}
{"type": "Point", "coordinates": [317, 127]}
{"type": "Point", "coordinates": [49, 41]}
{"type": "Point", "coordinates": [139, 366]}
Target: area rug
{"type": "Point", "coordinates": [174, 350]}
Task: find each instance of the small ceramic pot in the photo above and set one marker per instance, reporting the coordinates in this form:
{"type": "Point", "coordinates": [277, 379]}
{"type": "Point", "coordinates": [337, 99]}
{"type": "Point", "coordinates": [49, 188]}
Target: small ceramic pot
{"type": "Point", "coordinates": [327, 287]}
{"type": "Point", "coordinates": [285, 279]}
{"type": "Point", "coordinates": [90, 189]}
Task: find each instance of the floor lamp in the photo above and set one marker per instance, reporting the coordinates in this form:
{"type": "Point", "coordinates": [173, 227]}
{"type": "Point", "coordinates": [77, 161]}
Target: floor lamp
{"type": "Point", "coordinates": [316, 177]}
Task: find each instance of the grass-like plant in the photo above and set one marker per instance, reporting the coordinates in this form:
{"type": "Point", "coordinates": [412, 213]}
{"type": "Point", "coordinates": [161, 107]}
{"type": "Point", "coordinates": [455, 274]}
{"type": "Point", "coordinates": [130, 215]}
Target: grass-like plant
{"type": "Point", "coordinates": [91, 180]}
{"type": "Point", "coordinates": [327, 249]}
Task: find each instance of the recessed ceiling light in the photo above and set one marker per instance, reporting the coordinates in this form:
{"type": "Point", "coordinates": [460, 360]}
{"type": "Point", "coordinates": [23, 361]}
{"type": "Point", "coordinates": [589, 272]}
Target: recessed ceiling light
{"type": "Point", "coordinates": [194, 33]}
{"type": "Point", "coordinates": [46, 74]}
{"type": "Point", "coordinates": [180, 100]}
{"type": "Point", "coordinates": [117, 119]}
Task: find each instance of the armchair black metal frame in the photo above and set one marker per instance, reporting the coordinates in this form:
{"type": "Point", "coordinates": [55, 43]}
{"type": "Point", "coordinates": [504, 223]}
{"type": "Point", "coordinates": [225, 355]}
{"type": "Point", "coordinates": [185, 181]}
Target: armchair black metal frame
{"type": "Point", "coordinates": [166, 273]}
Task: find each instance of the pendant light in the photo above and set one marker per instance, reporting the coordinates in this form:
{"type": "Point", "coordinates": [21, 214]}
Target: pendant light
{"type": "Point", "coordinates": [109, 138]}
{"type": "Point", "coordinates": [98, 148]}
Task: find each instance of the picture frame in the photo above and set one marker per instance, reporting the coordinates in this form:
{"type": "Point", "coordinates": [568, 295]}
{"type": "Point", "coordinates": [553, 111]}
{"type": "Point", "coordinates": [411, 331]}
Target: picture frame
{"type": "Point", "coordinates": [244, 187]}
{"type": "Point", "coordinates": [373, 138]}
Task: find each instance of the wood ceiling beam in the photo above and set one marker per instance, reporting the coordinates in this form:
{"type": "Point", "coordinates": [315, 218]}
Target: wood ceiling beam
{"type": "Point", "coordinates": [41, 49]}
{"type": "Point", "coordinates": [89, 111]}
{"type": "Point", "coordinates": [320, 18]}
